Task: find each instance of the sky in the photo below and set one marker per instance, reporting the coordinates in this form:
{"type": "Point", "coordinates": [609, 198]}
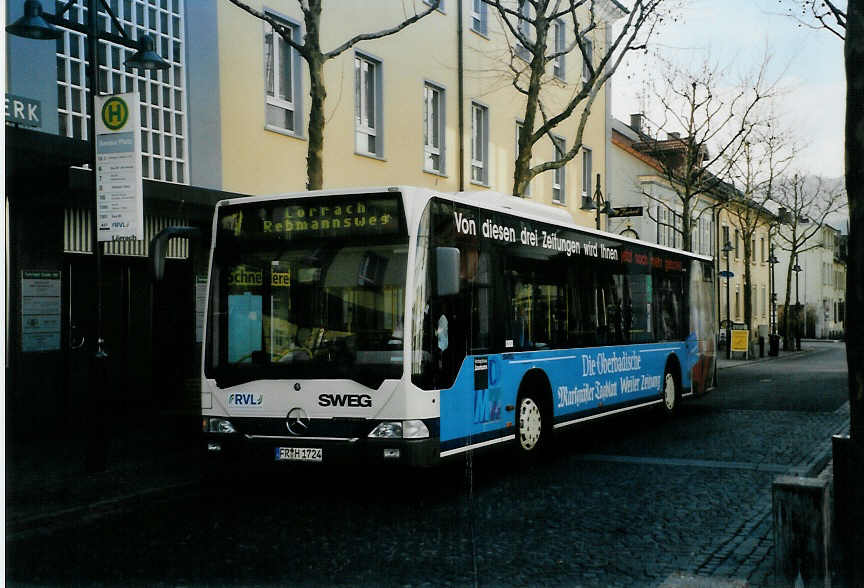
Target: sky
{"type": "Point", "coordinates": [734, 34]}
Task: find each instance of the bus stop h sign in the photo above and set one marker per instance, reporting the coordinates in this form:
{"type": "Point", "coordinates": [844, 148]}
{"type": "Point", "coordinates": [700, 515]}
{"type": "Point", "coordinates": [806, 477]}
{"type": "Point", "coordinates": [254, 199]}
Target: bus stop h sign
{"type": "Point", "coordinates": [119, 194]}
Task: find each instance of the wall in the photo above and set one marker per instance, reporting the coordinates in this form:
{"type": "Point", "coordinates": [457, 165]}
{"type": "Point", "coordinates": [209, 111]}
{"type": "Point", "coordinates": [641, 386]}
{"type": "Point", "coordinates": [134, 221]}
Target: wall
{"type": "Point", "coordinates": [203, 81]}
{"type": "Point", "coordinates": [263, 161]}
{"type": "Point", "coordinates": [759, 274]}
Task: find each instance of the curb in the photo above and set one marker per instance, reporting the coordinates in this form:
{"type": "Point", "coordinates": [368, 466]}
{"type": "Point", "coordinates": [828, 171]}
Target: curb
{"type": "Point", "coordinates": [746, 362]}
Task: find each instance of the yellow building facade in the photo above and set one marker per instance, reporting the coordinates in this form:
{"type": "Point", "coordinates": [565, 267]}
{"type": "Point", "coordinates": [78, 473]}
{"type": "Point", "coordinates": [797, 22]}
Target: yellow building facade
{"type": "Point", "coordinates": [379, 94]}
{"type": "Point", "coordinates": [732, 230]}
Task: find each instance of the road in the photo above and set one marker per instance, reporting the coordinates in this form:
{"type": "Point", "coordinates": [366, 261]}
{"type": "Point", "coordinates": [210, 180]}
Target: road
{"type": "Point", "coordinates": [632, 502]}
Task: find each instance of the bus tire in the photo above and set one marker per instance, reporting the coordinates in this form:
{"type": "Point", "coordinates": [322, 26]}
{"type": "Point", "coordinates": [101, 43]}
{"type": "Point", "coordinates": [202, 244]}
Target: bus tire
{"type": "Point", "coordinates": [671, 395]}
{"type": "Point", "coordinates": [531, 428]}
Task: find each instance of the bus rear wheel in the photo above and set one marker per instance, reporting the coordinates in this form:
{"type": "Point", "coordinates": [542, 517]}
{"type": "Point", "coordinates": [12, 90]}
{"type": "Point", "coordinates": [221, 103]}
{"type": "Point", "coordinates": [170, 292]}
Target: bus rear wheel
{"type": "Point", "coordinates": [529, 425]}
{"type": "Point", "coordinates": [671, 394]}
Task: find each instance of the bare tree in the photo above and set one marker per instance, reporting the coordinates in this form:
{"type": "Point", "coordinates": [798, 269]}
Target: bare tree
{"type": "Point", "coordinates": [819, 14]}
{"type": "Point", "coordinates": [705, 130]}
{"type": "Point", "coordinates": [310, 50]}
{"type": "Point", "coordinates": [806, 203]}
{"type": "Point", "coordinates": [759, 164]}
{"type": "Point", "coordinates": [530, 27]}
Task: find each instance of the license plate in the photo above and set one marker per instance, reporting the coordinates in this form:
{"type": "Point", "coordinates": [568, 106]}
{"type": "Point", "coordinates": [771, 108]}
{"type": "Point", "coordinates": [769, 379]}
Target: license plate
{"type": "Point", "coordinates": [315, 454]}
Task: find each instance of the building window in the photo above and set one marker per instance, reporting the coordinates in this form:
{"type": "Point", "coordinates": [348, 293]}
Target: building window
{"type": "Point", "coordinates": [479, 144]}
{"type": "Point", "coordinates": [589, 51]}
{"type": "Point", "coordinates": [162, 93]}
{"type": "Point", "coordinates": [558, 178]}
{"type": "Point", "coordinates": [753, 250]}
{"type": "Point", "coordinates": [764, 301]}
{"type": "Point", "coordinates": [586, 172]}
{"type": "Point", "coordinates": [479, 17]}
{"type": "Point", "coordinates": [558, 69]}
{"type": "Point", "coordinates": [705, 244]}
{"type": "Point", "coordinates": [737, 302]}
{"type": "Point", "coordinates": [754, 303]}
{"type": "Point", "coordinates": [762, 249]}
{"type": "Point", "coordinates": [674, 228]}
{"type": "Point", "coordinates": [519, 129]}
{"type": "Point", "coordinates": [367, 105]}
{"type": "Point", "coordinates": [281, 66]}
{"type": "Point", "coordinates": [737, 240]}
{"type": "Point", "coordinates": [433, 128]}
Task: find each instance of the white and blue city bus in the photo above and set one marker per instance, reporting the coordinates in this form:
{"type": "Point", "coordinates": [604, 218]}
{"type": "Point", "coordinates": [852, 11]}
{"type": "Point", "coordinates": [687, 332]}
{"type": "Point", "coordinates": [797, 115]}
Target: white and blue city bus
{"type": "Point", "coordinates": [406, 325]}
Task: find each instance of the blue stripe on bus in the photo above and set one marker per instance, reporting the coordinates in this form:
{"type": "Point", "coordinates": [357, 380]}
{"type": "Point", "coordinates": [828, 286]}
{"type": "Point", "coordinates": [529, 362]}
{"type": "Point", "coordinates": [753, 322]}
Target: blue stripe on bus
{"type": "Point", "coordinates": [584, 382]}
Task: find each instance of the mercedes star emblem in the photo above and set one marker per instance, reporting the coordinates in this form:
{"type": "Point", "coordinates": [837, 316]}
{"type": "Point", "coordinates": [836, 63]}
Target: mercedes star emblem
{"type": "Point", "coordinates": [297, 421]}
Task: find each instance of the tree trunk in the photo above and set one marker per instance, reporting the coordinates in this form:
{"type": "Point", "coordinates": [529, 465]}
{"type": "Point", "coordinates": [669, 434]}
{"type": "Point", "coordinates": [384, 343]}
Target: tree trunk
{"type": "Point", "coordinates": [522, 167]}
{"type": "Point", "coordinates": [315, 150]}
{"type": "Point", "coordinates": [854, 54]}
{"type": "Point", "coordinates": [686, 227]}
{"type": "Point", "coordinates": [317, 94]}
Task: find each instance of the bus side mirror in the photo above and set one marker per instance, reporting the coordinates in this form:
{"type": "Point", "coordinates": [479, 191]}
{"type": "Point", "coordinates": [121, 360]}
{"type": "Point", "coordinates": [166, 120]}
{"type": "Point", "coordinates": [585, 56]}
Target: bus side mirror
{"type": "Point", "coordinates": [159, 244]}
{"type": "Point", "coordinates": [447, 271]}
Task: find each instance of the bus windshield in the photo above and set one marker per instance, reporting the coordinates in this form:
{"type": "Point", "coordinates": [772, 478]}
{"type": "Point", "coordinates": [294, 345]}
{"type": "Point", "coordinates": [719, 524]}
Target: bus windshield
{"type": "Point", "coordinates": [308, 289]}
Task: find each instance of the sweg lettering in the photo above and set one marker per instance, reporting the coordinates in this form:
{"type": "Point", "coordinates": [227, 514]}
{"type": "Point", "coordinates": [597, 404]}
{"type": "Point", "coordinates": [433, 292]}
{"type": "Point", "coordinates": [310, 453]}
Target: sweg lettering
{"type": "Point", "coordinates": [363, 400]}
{"type": "Point", "coordinates": [245, 400]}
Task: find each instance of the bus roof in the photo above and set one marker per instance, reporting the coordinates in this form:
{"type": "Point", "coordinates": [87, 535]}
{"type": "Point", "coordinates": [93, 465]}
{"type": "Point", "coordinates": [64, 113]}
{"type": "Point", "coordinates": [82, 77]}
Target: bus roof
{"type": "Point", "coordinates": [488, 199]}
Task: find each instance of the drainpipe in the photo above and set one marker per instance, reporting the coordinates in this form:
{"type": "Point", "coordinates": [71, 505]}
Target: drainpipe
{"type": "Point", "coordinates": [461, 94]}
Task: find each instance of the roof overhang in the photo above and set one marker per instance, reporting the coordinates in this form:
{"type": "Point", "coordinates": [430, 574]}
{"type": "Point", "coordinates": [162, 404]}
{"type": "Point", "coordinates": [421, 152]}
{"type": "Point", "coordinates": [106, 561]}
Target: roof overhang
{"type": "Point", "coordinates": [33, 153]}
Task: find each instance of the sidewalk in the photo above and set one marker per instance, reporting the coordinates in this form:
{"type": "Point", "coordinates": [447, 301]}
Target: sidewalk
{"type": "Point", "coordinates": [737, 359]}
{"type": "Point", "coordinates": [47, 482]}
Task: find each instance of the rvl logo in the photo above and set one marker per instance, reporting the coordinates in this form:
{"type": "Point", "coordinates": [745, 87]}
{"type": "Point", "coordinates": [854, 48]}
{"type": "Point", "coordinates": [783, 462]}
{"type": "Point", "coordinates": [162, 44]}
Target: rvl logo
{"type": "Point", "coordinates": [245, 400]}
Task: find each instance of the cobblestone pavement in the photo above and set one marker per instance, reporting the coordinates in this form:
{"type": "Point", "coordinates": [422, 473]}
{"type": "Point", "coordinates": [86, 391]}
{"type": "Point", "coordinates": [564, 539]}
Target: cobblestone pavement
{"type": "Point", "coordinates": [640, 501]}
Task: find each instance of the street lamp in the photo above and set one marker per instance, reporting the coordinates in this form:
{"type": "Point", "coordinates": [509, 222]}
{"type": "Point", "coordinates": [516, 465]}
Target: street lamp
{"type": "Point", "coordinates": [727, 247]}
{"type": "Point", "coordinates": [603, 205]}
{"type": "Point", "coordinates": [37, 25]}
{"type": "Point", "coordinates": [773, 346]}
{"type": "Point", "coordinates": [797, 269]}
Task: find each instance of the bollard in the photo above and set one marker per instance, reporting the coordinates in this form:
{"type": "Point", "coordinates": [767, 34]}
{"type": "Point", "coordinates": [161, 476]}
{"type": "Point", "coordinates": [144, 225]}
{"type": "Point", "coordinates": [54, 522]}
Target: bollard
{"type": "Point", "coordinates": [802, 531]}
{"type": "Point", "coordinates": [774, 345]}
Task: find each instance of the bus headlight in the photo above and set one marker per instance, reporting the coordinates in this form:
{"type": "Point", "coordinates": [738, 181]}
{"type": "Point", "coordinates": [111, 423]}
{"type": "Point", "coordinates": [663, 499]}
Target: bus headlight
{"type": "Point", "coordinates": [217, 425]}
{"type": "Point", "coordinates": [387, 430]}
{"type": "Point", "coordinates": [415, 429]}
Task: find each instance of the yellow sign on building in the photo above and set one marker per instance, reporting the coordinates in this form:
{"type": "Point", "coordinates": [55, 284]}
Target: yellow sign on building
{"type": "Point", "coordinates": [740, 340]}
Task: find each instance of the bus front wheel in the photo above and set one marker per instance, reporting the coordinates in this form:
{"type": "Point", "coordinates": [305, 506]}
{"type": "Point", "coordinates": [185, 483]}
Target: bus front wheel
{"type": "Point", "coordinates": [529, 425]}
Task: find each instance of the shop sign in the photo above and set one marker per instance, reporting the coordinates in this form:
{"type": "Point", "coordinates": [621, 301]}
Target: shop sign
{"type": "Point", "coordinates": [40, 310]}
{"type": "Point", "coordinates": [23, 111]}
{"type": "Point", "coordinates": [119, 194]}
{"type": "Point", "coordinates": [626, 211]}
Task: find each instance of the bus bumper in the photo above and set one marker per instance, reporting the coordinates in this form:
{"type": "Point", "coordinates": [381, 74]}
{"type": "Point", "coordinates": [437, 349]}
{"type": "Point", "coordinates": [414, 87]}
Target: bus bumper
{"type": "Point", "coordinates": [240, 450]}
